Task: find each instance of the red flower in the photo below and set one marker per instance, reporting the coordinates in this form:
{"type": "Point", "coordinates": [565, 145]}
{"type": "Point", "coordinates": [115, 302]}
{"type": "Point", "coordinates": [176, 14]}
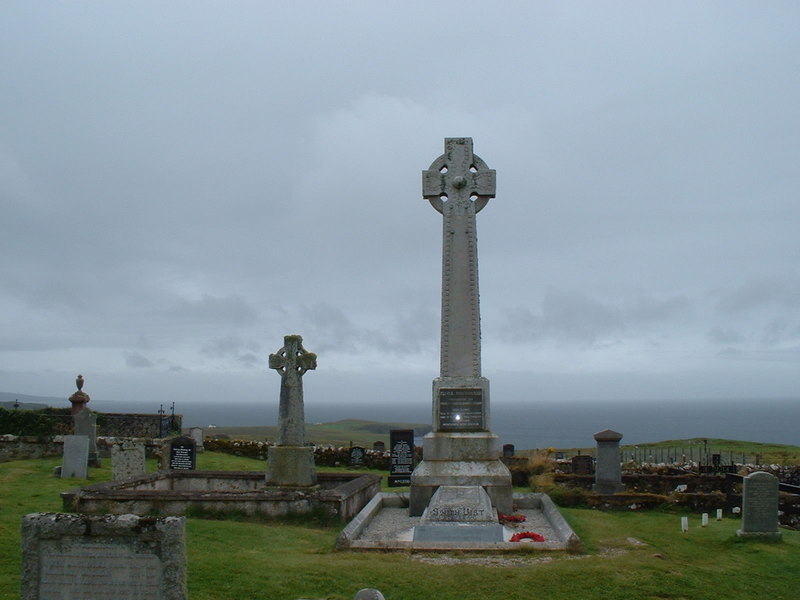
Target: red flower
{"type": "Point", "coordinates": [527, 535]}
{"type": "Point", "coordinates": [511, 518]}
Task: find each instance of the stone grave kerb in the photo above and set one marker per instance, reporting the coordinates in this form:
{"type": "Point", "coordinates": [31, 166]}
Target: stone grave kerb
{"type": "Point", "coordinates": [290, 463]}
{"type": "Point", "coordinates": [461, 449]}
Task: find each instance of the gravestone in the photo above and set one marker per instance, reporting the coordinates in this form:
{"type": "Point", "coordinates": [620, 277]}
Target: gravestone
{"type": "Point", "coordinates": [379, 446]}
{"type": "Point", "coordinates": [196, 433]}
{"type": "Point", "coordinates": [461, 449]}
{"type": "Point", "coordinates": [459, 514]}
{"type": "Point", "coordinates": [100, 557]}
{"type": "Point", "coordinates": [582, 464]}
{"type": "Point", "coordinates": [357, 456]}
{"type": "Point", "coordinates": [401, 442]}
{"type": "Point", "coordinates": [182, 454]}
{"type": "Point", "coordinates": [127, 460]}
{"type": "Point", "coordinates": [290, 463]}
{"type": "Point", "coordinates": [508, 450]}
{"type": "Point", "coordinates": [608, 471]}
{"type": "Point", "coordinates": [759, 506]}
{"type": "Point", "coordinates": [85, 423]}
{"type": "Point", "coordinates": [75, 461]}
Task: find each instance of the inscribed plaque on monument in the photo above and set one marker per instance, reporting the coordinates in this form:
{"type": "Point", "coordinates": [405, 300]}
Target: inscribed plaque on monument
{"type": "Point", "coordinates": [461, 409]}
{"type": "Point", "coordinates": [401, 442]}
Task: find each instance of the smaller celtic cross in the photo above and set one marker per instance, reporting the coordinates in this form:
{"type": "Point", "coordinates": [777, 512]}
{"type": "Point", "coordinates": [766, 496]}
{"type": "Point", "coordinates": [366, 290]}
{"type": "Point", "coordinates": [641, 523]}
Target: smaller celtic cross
{"type": "Point", "coordinates": [292, 361]}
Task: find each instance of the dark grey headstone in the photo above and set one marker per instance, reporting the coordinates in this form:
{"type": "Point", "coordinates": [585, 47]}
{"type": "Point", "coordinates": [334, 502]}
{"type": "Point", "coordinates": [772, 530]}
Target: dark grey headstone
{"type": "Point", "coordinates": [401, 442]}
{"type": "Point", "coordinates": [357, 456]}
{"type": "Point", "coordinates": [182, 454]}
{"type": "Point", "coordinates": [583, 464]}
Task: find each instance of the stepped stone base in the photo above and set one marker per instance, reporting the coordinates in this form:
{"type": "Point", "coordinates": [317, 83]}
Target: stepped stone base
{"type": "Point", "coordinates": [471, 459]}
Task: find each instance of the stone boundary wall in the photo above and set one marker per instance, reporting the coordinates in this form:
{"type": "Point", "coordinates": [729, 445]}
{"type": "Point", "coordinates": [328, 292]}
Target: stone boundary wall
{"type": "Point", "coordinates": [137, 425]}
{"type": "Point", "coordinates": [13, 447]}
{"type": "Point", "coordinates": [323, 455]}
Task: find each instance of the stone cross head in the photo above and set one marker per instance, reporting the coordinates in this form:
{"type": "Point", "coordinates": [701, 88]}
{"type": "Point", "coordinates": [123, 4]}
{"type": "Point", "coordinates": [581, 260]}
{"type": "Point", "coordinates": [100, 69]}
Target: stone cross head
{"type": "Point", "coordinates": [293, 358]}
{"type": "Point", "coordinates": [458, 177]}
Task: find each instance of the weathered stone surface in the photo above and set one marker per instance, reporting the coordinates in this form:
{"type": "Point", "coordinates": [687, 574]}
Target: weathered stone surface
{"type": "Point", "coordinates": [368, 594]}
{"type": "Point", "coordinates": [291, 466]}
{"type": "Point", "coordinates": [759, 506]}
{"type": "Point", "coordinates": [608, 471]}
{"type": "Point", "coordinates": [85, 423]}
{"type": "Point", "coordinates": [290, 463]}
{"type": "Point", "coordinates": [292, 362]}
{"type": "Point", "coordinates": [459, 513]}
{"type": "Point", "coordinates": [196, 433]}
{"type": "Point", "coordinates": [127, 460]}
{"type": "Point", "coordinates": [458, 185]}
{"type": "Point", "coordinates": [75, 461]}
{"type": "Point", "coordinates": [123, 557]}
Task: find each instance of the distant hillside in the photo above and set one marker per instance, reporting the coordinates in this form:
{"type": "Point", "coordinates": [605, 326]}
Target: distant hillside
{"type": "Point", "coordinates": [28, 402]}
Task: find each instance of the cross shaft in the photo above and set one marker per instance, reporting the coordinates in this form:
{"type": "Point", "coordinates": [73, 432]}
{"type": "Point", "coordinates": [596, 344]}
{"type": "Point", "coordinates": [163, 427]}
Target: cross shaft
{"type": "Point", "coordinates": [458, 185]}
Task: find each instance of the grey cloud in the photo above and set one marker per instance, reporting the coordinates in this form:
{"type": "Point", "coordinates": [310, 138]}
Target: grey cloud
{"type": "Point", "coordinates": [135, 360]}
{"type": "Point", "coordinates": [230, 310]}
{"type": "Point", "coordinates": [759, 293]}
{"type": "Point", "coordinates": [719, 335]}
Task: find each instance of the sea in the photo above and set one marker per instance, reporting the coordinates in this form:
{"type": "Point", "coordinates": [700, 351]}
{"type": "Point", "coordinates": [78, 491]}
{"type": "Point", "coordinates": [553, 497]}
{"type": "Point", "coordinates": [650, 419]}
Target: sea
{"type": "Point", "coordinates": [565, 424]}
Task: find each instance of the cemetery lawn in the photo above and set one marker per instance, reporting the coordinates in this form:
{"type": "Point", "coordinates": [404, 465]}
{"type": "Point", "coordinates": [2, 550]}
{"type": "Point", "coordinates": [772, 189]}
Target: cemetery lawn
{"type": "Point", "coordinates": [627, 555]}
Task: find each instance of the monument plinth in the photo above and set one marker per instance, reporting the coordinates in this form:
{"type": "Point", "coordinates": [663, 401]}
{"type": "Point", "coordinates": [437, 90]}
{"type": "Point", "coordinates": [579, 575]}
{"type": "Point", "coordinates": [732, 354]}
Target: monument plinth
{"type": "Point", "coordinates": [461, 450]}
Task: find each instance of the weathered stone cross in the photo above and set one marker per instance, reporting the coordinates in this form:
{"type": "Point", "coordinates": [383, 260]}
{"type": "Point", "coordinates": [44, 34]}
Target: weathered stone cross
{"type": "Point", "coordinates": [292, 361]}
{"type": "Point", "coordinates": [458, 184]}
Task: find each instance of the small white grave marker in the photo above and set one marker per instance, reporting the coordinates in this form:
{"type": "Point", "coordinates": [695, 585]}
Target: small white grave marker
{"type": "Point", "coordinates": [684, 524]}
{"type": "Point", "coordinates": [704, 520]}
{"type": "Point", "coordinates": [719, 514]}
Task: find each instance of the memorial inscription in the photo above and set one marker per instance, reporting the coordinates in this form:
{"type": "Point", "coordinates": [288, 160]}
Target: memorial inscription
{"type": "Point", "coordinates": [401, 442]}
{"type": "Point", "coordinates": [182, 455]}
{"type": "Point", "coordinates": [97, 557]}
{"type": "Point", "coordinates": [461, 409]}
{"type": "Point", "coordinates": [122, 574]}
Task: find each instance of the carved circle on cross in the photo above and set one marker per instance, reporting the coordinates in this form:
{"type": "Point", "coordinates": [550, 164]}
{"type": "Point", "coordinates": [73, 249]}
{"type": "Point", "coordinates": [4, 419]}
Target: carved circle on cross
{"type": "Point", "coordinates": [293, 357]}
{"type": "Point", "coordinates": [459, 172]}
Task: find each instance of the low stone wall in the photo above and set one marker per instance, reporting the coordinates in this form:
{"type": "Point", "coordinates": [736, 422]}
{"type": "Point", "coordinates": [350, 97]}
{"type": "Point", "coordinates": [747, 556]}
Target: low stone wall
{"type": "Point", "coordinates": [21, 447]}
{"type": "Point", "coordinates": [216, 493]}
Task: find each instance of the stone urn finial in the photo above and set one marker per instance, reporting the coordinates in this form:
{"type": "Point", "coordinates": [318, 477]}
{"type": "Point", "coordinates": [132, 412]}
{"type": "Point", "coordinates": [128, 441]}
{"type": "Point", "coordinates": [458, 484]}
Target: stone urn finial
{"type": "Point", "coordinates": [80, 398]}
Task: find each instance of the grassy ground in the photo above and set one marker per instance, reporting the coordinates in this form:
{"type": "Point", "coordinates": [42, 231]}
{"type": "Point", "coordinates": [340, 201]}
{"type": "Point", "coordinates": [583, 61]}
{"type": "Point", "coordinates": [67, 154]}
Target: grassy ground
{"type": "Point", "coordinates": [245, 560]}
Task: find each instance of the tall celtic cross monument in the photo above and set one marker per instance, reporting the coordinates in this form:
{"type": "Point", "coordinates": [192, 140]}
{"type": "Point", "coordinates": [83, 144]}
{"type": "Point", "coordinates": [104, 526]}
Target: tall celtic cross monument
{"type": "Point", "coordinates": [290, 463]}
{"type": "Point", "coordinates": [461, 449]}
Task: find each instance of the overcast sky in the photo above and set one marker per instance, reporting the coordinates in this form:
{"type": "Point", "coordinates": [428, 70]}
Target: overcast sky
{"type": "Point", "coordinates": [182, 184]}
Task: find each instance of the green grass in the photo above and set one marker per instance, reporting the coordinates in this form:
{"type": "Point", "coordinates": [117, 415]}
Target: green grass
{"type": "Point", "coordinates": [230, 559]}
